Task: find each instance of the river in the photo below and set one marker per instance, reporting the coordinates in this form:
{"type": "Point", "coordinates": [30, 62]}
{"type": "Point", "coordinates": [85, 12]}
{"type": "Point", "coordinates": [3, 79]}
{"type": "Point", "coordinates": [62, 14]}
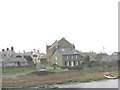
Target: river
{"type": "Point", "coordinates": [113, 83]}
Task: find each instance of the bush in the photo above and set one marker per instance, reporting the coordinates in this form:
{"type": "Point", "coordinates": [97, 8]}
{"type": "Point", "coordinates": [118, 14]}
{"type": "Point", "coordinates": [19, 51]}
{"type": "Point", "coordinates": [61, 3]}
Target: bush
{"type": "Point", "coordinates": [75, 68]}
{"type": "Point", "coordinates": [64, 67]}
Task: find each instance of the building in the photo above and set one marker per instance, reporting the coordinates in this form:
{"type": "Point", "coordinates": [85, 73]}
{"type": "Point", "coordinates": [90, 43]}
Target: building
{"type": "Point", "coordinates": [43, 59]}
{"type": "Point", "coordinates": [115, 56]}
{"type": "Point", "coordinates": [63, 53]}
{"type": "Point", "coordinates": [9, 58]}
{"type": "Point", "coordinates": [92, 55]}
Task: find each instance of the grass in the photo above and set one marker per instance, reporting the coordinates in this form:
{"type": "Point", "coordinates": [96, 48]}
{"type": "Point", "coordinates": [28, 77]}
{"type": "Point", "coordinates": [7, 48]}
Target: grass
{"type": "Point", "coordinates": [6, 71]}
{"type": "Point", "coordinates": [59, 70]}
{"type": "Point", "coordinates": [27, 81]}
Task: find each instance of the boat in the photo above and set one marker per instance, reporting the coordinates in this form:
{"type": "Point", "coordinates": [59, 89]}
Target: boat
{"type": "Point", "coordinates": [107, 75]}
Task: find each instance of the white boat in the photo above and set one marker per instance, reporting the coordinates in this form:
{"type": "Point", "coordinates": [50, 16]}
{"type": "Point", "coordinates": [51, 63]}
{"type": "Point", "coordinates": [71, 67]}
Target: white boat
{"type": "Point", "coordinates": [109, 76]}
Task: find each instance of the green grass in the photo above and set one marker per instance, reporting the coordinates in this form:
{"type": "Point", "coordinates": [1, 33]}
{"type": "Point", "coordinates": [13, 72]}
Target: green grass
{"type": "Point", "coordinates": [60, 70]}
{"type": "Point", "coordinates": [8, 73]}
{"type": "Point", "coordinates": [18, 69]}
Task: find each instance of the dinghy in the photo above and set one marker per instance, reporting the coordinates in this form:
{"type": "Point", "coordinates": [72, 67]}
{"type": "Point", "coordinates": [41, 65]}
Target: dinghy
{"type": "Point", "coordinates": [107, 75]}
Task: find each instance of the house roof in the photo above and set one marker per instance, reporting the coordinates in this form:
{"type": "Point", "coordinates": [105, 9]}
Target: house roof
{"type": "Point", "coordinates": [28, 53]}
{"type": "Point", "coordinates": [88, 53]}
{"type": "Point", "coordinates": [14, 60]}
{"type": "Point", "coordinates": [55, 43]}
{"type": "Point", "coordinates": [66, 51]}
{"type": "Point", "coordinates": [43, 56]}
{"type": "Point", "coordinates": [8, 52]}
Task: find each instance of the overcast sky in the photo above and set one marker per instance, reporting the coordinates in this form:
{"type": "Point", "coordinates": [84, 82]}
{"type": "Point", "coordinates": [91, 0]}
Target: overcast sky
{"type": "Point", "coordinates": [89, 24]}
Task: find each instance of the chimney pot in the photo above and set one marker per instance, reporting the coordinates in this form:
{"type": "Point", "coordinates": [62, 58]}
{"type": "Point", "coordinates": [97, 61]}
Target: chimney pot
{"type": "Point", "coordinates": [7, 49]}
{"type": "Point", "coordinates": [3, 50]}
{"type": "Point", "coordinates": [12, 48]}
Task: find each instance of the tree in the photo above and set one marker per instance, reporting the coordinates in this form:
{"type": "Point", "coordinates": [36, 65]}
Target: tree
{"type": "Point", "coordinates": [86, 58]}
{"type": "Point", "coordinates": [29, 58]}
{"type": "Point", "coordinates": [86, 61]}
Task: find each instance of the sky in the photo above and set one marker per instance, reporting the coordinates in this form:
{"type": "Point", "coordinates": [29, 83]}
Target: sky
{"type": "Point", "coordinates": [31, 24]}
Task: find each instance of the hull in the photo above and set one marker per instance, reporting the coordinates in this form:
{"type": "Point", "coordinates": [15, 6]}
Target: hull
{"type": "Point", "coordinates": [111, 77]}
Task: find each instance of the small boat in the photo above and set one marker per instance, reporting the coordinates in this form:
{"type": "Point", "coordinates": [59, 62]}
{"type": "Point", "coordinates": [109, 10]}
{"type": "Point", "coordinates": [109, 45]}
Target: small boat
{"type": "Point", "coordinates": [107, 75]}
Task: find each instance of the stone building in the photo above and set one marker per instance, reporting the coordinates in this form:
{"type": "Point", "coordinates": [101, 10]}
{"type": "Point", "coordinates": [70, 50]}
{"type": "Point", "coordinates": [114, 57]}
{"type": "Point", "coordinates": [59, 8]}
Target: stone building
{"type": "Point", "coordinates": [9, 59]}
{"type": "Point", "coordinates": [63, 53]}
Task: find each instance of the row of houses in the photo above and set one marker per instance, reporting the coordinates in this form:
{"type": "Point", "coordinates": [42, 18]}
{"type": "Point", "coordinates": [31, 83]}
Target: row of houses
{"type": "Point", "coordinates": [61, 53]}
{"type": "Point", "coordinates": [9, 58]}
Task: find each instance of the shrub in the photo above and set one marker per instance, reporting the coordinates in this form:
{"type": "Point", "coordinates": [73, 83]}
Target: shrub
{"type": "Point", "coordinates": [75, 68]}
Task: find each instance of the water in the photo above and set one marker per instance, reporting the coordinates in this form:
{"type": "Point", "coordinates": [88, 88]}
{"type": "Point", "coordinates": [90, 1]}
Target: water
{"type": "Point", "coordinates": [113, 83]}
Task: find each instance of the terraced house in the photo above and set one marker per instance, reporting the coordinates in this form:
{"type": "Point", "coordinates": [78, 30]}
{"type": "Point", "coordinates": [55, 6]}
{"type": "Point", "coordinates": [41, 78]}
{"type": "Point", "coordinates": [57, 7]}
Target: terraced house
{"type": "Point", "coordinates": [9, 58]}
{"type": "Point", "coordinates": [63, 53]}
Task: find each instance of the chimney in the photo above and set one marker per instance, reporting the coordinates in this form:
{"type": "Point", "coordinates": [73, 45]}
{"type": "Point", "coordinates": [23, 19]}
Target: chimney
{"type": "Point", "coordinates": [73, 46]}
{"type": "Point", "coordinates": [7, 49]}
{"type": "Point", "coordinates": [12, 49]}
{"type": "Point", "coordinates": [3, 50]}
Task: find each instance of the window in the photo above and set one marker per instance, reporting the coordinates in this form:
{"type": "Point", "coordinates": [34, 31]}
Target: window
{"type": "Point", "coordinates": [69, 63]}
{"type": "Point", "coordinates": [78, 62]}
{"type": "Point", "coordinates": [55, 57]}
{"type": "Point", "coordinates": [74, 63]}
{"type": "Point", "coordinates": [67, 57]}
{"type": "Point", "coordinates": [65, 63]}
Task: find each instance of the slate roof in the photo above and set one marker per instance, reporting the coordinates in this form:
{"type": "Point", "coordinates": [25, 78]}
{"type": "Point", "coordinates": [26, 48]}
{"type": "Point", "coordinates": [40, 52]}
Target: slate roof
{"type": "Point", "coordinates": [55, 43]}
{"type": "Point", "coordinates": [88, 53]}
{"type": "Point", "coordinates": [43, 56]}
{"type": "Point", "coordinates": [67, 51]}
{"type": "Point", "coordinates": [28, 53]}
{"type": "Point", "coordinates": [8, 52]}
{"type": "Point", "coordinates": [14, 60]}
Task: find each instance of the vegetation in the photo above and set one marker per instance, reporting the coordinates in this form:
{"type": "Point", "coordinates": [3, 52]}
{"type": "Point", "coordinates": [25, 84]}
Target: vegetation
{"type": "Point", "coordinates": [86, 59]}
{"type": "Point", "coordinates": [29, 58]}
{"type": "Point", "coordinates": [17, 69]}
{"type": "Point", "coordinates": [86, 71]}
{"type": "Point", "coordinates": [8, 73]}
{"type": "Point", "coordinates": [59, 70]}
{"type": "Point", "coordinates": [27, 81]}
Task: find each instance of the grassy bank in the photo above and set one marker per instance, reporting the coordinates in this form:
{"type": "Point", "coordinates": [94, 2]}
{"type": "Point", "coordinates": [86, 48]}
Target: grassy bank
{"type": "Point", "coordinates": [8, 71]}
{"type": "Point", "coordinates": [60, 70]}
{"type": "Point", "coordinates": [27, 80]}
